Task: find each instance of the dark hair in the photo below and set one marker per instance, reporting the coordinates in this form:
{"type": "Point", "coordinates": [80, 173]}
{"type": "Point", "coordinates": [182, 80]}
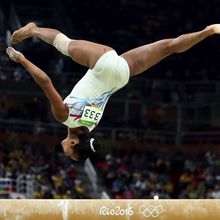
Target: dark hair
{"type": "Point", "coordinates": [86, 147]}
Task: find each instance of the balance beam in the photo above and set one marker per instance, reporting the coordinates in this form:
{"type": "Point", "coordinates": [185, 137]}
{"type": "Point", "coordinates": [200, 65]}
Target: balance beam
{"type": "Point", "coordinates": [109, 209]}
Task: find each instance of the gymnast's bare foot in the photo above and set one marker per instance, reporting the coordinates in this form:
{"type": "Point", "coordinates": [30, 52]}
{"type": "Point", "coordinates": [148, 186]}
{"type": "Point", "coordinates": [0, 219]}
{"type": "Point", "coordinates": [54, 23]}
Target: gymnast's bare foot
{"type": "Point", "coordinates": [215, 28]}
{"type": "Point", "coordinates": [22, 33]}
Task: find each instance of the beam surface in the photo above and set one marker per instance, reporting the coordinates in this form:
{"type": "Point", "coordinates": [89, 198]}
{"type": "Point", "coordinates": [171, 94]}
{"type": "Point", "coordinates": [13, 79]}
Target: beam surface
{"type": "Point", "coordinates": [109, 209]}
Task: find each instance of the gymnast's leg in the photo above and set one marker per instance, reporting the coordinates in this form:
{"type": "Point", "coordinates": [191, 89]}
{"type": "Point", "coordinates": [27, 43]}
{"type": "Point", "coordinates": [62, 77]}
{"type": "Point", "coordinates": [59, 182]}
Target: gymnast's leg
{"type": "Point", "coordinates": [83, 52]}
{"type": "Point", "coordinates": [142, 58]}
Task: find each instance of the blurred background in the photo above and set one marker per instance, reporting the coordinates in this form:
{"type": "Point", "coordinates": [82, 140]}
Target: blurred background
{"type": "Point", "coordinates": [160, 134]}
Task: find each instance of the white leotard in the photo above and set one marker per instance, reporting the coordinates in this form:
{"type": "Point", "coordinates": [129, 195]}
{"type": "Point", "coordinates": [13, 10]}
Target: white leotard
{"type": "Point", "coordinates": [88, 98]}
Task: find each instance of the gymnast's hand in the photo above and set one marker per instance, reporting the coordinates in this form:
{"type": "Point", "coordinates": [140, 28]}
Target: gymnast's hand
{"type": "Point", "coordinates": [14, 54]}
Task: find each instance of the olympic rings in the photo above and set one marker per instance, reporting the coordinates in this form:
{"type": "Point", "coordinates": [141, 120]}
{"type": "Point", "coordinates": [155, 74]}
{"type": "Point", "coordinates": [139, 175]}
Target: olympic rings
{"type": "Point", "coordinates": [150, 210]}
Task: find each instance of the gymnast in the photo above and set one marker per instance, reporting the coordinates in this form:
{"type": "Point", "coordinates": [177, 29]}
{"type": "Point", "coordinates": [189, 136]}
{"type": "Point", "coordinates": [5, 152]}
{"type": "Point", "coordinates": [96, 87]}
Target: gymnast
{"type": "Point", "coordinates": [107, 72]}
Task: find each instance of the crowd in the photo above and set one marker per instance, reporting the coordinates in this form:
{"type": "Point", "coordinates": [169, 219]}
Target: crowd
{"type": "Point", "coordinates": [142, 175]}
{"type": "Point", "coordinates": [129, 174]}
{"type": "Point", "coordinates": [55, 177]}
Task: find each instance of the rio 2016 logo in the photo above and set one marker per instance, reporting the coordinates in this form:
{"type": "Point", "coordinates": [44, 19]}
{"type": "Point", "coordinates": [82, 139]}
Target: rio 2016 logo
{"type": "Point", "coordinates": [116, 211]}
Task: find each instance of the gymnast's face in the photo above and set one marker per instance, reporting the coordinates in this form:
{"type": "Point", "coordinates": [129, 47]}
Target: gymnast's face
{"type": "Point", "coordinates": [68, 147]}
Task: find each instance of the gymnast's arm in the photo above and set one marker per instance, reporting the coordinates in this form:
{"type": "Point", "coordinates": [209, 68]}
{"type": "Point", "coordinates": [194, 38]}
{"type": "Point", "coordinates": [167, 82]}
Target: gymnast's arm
{"type": "Point", "coordinates": [59, 109]}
